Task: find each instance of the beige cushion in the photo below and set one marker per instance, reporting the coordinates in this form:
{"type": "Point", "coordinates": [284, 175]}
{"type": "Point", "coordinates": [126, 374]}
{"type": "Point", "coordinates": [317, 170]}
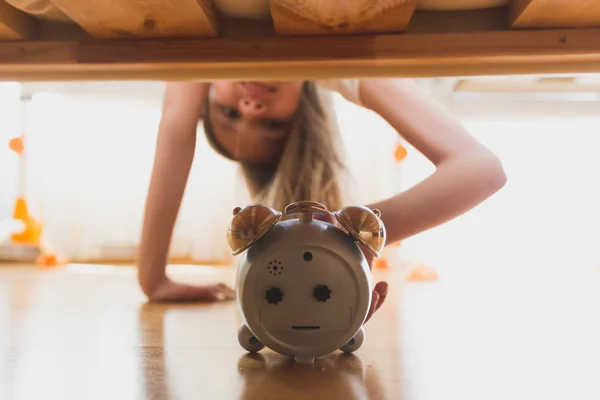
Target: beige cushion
{"type": "Point", "coordinates": [334, 12]}
{"type": "Point", "coordinates": [43, 9]}
{"type": "Point", "coordinates": [441, 5]}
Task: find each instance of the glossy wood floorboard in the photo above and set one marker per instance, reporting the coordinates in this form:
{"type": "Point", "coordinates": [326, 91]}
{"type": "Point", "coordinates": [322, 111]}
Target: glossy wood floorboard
{"type": "Point", "coordinates": [86, 332]}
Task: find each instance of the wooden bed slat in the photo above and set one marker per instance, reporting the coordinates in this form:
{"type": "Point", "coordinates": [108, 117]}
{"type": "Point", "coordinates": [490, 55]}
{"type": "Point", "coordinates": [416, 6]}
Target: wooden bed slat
{"type": "Point", "coordinates": [555, 13]}
{"type": "Point", "coordinates": [308, 57]}
{"type": "Point", "coordinates": [142, 18]}
{"type": "Point", "coordinates": [479, 20]}
{"type": "Point", "coordinates": [15, 24]}
{"type": "Point", "coordinates": [319, 17]}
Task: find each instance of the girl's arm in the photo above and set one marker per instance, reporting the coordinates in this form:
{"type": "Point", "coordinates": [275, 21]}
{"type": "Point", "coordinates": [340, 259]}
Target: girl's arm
{"type": "Point", "coordinates": [467, 173]}
{"type": "Point", "coordinates": [182, 108]}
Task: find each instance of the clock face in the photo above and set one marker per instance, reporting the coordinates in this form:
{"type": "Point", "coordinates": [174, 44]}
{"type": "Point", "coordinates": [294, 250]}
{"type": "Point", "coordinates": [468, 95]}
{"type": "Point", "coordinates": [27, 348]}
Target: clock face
{"type": "Point", "coordinates": [306, 295]}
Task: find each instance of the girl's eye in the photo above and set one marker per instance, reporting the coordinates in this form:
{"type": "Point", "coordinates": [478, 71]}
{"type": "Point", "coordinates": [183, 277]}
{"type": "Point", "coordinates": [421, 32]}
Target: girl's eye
{"type": "Point", "coordinates": [230, 113]}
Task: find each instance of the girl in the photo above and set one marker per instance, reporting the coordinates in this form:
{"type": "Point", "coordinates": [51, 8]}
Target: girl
{"type": "Point", "coordinates": [284, 138]}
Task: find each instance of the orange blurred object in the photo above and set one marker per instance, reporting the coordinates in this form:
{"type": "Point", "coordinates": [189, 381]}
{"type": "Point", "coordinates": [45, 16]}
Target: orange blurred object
{"type": "Point", "coordinates": [50, 260]}
{"type": "Point", "coordinates": [381, 263]}
{"type": "Point", "coordinates": [33, 229]}
{"type": "Point", "coordinates": [17, 145]}
{"type": "Point", "coordinates": [400, 153]}
{"type": "Point", "coordinates": [422, 273]}
{"type": "Point", "coordinates": [396, 244]}
{"type": "Point", "coordinates": [21, 211]}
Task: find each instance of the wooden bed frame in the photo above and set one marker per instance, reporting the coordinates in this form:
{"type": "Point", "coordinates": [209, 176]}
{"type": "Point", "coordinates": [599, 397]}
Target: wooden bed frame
{"type": "Point", "coordinates": [189, 39]}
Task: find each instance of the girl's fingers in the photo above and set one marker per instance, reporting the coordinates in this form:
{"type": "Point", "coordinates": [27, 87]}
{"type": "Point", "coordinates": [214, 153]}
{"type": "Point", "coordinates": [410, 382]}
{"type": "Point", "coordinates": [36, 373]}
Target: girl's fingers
{"type": "Point", "coordinates": [374, 301]}
{"type": "Point", "coordinates": [379, 294]}
{"type": "Point", "coordinates": [224, 292]}
{"type": "Point", "coordinates": [226, 288]}
{"type": "Point", "coordinates": [382, 290]}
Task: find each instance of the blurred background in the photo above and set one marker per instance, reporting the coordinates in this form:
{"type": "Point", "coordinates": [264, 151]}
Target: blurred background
{"type": "Point", "coordinates": [89, 149]}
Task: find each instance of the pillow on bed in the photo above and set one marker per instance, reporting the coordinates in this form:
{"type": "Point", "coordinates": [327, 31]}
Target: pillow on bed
{"type": "Point", "coordinates": [43, 9]}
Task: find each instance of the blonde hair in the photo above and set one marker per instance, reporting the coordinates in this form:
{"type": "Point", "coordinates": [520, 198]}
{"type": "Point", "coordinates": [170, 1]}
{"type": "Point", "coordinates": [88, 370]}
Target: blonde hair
{"type": "Point", "coordinates": [311, 164]}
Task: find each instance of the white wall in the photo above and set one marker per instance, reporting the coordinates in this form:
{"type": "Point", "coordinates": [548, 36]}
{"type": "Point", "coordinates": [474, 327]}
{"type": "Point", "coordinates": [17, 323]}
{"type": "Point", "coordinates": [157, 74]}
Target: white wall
{"type": "Point", "coordinates": [9, 128]}
{"type": "Point", "coordinates": [546, 219]}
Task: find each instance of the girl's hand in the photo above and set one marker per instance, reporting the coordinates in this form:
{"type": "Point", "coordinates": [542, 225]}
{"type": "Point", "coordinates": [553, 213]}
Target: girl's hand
{"type": "Point", "coordinates": [170, 291]}
{"type": "Point", "coordinates": [377, 299]}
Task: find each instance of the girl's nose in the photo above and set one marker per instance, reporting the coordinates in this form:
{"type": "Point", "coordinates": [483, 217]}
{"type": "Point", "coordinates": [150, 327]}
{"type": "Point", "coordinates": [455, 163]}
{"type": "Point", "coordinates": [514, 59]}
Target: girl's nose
{"type": "Point", "coordinates": [251, 108]}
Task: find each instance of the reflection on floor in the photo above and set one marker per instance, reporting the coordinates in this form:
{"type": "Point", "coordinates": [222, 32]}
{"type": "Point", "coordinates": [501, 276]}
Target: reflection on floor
{"type": "Point", "coordinates": [86, 332]}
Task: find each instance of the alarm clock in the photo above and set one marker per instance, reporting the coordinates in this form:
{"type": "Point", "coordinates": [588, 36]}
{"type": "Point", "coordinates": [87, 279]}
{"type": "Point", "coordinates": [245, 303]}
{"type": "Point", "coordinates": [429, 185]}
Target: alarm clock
{"type": "Point", "coordinates": [303, 284]}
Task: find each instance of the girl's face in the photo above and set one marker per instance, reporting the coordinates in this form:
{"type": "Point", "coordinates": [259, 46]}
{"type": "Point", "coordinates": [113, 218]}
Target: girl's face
{"type": "Point", "coordinates": [251, 120]}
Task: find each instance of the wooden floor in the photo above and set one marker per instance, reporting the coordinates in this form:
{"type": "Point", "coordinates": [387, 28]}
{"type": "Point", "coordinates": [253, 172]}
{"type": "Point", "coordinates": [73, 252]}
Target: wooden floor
{"type": "Point", "coordinates": [86, 332]}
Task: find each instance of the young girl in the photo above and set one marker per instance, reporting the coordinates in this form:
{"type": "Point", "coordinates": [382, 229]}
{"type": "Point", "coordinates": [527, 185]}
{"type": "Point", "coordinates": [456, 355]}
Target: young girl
{"type": "Point", "coordinates": [285, 140]}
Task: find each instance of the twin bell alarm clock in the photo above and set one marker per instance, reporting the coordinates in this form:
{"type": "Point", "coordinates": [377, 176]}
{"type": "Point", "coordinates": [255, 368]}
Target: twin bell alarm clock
{"type": "Point", "coordinates": [303, 285]}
